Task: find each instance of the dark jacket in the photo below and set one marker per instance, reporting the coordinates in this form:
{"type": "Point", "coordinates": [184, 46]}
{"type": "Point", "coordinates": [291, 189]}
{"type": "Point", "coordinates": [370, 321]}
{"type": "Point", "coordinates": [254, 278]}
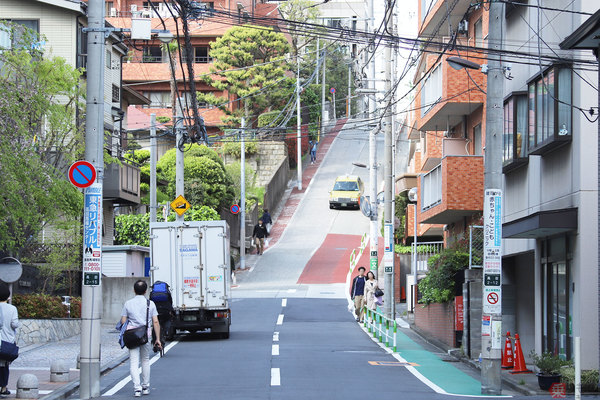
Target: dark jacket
{"type": "Point", "coordinates": [260, 231]}
{"type": "Point", "coordinates": [352, 291]}
{"type": "Point", "coordinates": [266, 218]}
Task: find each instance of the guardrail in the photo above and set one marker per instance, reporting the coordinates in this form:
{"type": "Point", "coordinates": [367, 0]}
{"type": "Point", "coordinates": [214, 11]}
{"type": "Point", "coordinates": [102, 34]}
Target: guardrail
{"type": "Point", "coordinates": [381, 327]}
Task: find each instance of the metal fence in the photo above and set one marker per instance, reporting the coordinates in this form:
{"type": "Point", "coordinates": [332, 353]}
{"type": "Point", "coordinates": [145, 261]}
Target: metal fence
{"type": "Point", "coordinates": [475, 246]}
{"type": "Point", "coordinates": [424, 252]}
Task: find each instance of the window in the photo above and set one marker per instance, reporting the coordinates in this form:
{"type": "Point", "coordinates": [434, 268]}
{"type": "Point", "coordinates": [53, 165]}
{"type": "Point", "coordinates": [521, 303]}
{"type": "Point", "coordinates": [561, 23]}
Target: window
{"type": "Point", "coordinates": [81, 48]}
{"type": "Point", "coordinates": [478, 33]}
{"type": "Point", "coordinates": [432, 90]}
{"type": "Point", "coordinates": [109, 5]}
{"type": "Point", "coordinates": [334, 23]}
{"type": "Point", "coordinates": [431, 188]}
{"type": "Point", "coordinates": [148, 5]}
{"type": "Point", "coordinates": [108, 59]}
{"type": "Point", "coordinates": [116, 94]}
{"type": "Point", "coordinates": [477, 142]}
{"type": "Point", "coordinates": [159, 99]}
{"type": "Point", "coordinates": [152, 54]}
{"type": "Point", "coordinates": [201, 56]}
{"type": "Point", "coordinates": [549, 106]}
{"type": "Point", "coordinates": [426, 6]}
{"type": "Point", "coordinates": [18, 34]}
{"type": "Point", "coordinates": [514, 133]}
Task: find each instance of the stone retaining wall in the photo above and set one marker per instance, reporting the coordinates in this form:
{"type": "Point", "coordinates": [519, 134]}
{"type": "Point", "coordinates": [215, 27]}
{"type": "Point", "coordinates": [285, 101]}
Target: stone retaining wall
{"type": "Point", "coordinates": [35, 331]}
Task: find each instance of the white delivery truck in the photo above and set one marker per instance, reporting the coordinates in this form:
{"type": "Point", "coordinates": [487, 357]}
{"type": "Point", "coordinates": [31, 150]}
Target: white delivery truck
{"type": "Point", "coordinates": [193, 258]}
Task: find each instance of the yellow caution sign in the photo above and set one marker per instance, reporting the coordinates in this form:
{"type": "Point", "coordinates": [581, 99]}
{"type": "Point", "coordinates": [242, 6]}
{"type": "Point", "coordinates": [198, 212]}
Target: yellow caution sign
{"type": "Point", "coordinates": [180, 205]}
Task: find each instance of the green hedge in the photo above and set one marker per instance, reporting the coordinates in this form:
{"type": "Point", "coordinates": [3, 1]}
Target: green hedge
{"type": "Point", "coordinates": [43, 306]}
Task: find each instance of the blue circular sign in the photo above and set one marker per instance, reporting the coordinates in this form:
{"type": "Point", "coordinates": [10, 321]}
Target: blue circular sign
{"type": "Point", "coordinates": [332, 90]}
{"type": "Point", "coordinates": [235, 209]}
{"type": "Point", "coordinates": [82, 174]}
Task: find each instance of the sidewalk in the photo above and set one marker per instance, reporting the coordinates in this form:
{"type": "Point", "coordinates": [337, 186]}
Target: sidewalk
{"type": "Point", "coordinates": [36, 360]}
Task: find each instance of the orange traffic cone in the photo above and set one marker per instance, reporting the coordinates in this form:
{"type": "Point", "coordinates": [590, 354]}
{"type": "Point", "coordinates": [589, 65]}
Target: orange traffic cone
{"type": "Point", "coordinates": [507, 356]}
{"type": "Point", "coordinates": [520, 367]}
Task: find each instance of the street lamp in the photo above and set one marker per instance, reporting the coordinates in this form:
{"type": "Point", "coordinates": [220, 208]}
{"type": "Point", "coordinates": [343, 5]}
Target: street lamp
{"type": "Point", "coordinates": [459, 63]}
{"type": "Point", "coordinates": [164, 36]}
{"type": "Point", "coordinates": [413, 196]}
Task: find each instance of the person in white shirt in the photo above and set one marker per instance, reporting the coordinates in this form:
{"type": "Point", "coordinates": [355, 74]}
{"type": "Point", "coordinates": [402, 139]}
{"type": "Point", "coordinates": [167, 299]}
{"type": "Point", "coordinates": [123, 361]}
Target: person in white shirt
{"type": "Point", "coordinates": [134, 313]}
{"type": "Point", "coordinates": [8, 333]}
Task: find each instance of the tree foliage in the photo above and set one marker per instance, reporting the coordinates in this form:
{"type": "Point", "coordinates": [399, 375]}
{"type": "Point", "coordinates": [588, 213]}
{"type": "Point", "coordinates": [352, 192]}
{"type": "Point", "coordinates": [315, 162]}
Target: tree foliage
{"type": "Point", "coordinates": [301, 11]}
{"type": "Point", "coordinates": [134, 229]}
{"type": "Point", "coordinates": [440, 283]}
{"type": "Point", "coordinates": [261, 53]}
{"type": "Point", "coordinates": [40, 96]}
{"type": "Point", "coordinates": [206, 181]}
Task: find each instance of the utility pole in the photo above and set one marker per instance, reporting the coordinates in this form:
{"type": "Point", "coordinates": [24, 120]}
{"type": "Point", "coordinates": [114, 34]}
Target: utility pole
{"type": "Point", "coordinates": [388, 259]}
{"type": "Point", "coordinates": [323, 94]}
{"type": "Point", "coordinates": [298, 123]}
{"type": "Point", "coordinates": [318, 55]}
{"type": "Point", "coordinates": [179, 154]}
{"type": "Point", "coordinates": [243, 195]}
{"type": "Point", "coordinates": [91, 293]}
{"type": "Point", "coordinates": [153, 205]}
{"type": "Point", "coordinates": [374, 234]}
{"type": "Point", "coordinates": [491, 347]}
{"type": "Point", "coordinates": [371, 83]}
{"type": "Point", "coordinates": [333, 99]}
{"type": "Point", "coordinates": [348, 105]}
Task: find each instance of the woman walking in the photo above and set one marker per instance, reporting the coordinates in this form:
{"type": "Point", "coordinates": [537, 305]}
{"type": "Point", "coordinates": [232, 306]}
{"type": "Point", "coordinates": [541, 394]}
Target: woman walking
{"type": "Point", "coordinates": [370, 287]}
{"type": "Point", "coordinates": [9, 318]}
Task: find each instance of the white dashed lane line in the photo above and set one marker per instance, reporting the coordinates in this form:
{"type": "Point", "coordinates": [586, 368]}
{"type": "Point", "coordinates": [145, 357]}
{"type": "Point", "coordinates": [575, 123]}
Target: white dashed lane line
{"type": "Point", "coordinates": [280, 319]}
{"type": "Point", "coordinates": [275, 350]}
{"type": "Point", "coordinates": [275, 377]}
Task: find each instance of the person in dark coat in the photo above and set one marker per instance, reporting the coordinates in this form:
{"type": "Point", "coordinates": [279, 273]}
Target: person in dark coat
{"type": "Point", "coordinates": [259, 235]}
{"type": "Point", "coordinates": [267, 220]}
{"type": "Point", "coordinates": [357, 293]}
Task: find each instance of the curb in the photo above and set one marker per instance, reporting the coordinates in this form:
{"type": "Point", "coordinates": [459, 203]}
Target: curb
{"type": "Point", "coordinates": [67, 390]}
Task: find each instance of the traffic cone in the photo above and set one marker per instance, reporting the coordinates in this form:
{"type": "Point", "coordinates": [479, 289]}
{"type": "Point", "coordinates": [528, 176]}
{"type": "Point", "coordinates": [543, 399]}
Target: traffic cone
{"type": "Point", "coordinates": [507, 356]}
{"type": "Point", "coordinates": [520, 367]}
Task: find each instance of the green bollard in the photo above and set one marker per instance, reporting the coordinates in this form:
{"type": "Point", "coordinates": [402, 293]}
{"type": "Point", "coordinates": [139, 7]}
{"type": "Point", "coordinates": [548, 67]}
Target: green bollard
{"type": "Point", "coordinates": [387, 332]}
{"type": "Point", "coordinates": [395, 335]}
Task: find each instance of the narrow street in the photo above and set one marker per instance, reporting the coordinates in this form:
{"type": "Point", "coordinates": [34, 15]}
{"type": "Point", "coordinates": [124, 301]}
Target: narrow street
{"type": "Point", "coordinates": [292, 336]}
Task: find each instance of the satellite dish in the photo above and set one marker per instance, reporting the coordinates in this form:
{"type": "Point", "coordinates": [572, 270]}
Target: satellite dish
{"type": "Point", "coordinates": [10, 269]}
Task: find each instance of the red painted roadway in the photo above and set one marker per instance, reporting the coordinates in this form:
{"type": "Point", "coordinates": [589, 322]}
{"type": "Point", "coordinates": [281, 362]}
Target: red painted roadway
{"type": "Point", "coordinates": [309, 172]}
{"type": "Point", "coordinates": [331, 261]}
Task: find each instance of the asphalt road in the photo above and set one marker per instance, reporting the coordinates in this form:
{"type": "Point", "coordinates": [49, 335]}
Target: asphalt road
{"type": "Point", "coordinates": [291, 340]}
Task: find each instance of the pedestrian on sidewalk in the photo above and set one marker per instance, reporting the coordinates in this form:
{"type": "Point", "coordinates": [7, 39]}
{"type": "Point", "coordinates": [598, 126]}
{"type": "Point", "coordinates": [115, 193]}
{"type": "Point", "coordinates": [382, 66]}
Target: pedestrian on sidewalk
{"type": "Point", "coordinates": [9, 318]}
{"type": "Point", "coordinates": [267, 220]}
{"type": "Point", "coordinates": [138, 312]}
{"type": "Point", "coordinates": [259, 235]}
{"type": "Point", "coordinates": [358, 293]}
{"type": "Point", "coordinates": [313, 151]}
{"type": "Point", "coordinates": [370, 287]}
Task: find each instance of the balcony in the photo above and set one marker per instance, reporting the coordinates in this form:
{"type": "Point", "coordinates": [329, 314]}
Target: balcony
{"type": "Point", "coordinates": [452, 190]}
{"type": "Point", "coordinates": [447, 95]}
{"type": "Point", "coordinates": [432, 14]}
{"type": "Point", "coordinates": [423, 230]}
{"type": "Point", "coordinates": [122, 183]}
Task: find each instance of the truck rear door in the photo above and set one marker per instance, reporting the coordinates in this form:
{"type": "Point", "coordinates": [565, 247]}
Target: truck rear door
{"type": "Point", "coordinates": [188, 266]}
{"type": "Point", "coordinates": [215, 248]}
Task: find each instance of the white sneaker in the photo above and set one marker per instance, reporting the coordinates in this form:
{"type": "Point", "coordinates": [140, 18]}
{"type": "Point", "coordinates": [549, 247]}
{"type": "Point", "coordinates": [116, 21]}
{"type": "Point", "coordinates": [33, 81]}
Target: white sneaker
{"type": "Point", "coordinates": [137, 393]}
{"type": "Point", "coordinates": [146, 390]}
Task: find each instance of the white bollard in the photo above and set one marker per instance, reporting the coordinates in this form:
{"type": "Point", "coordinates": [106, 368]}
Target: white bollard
{"type": "Point", "coordinates": [59, 371]}
{"type": "Point", "coordinates": [28, 387]}
{"type": "Point", "coordinates": [577, 368]}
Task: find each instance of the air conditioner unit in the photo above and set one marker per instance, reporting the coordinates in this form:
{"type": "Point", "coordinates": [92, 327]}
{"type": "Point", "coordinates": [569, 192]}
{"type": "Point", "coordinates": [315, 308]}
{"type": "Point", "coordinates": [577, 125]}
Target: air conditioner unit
{"type": "Point", "coordinates": [134, 8]}
{"type": "Point", "coordinates": [113, 12]}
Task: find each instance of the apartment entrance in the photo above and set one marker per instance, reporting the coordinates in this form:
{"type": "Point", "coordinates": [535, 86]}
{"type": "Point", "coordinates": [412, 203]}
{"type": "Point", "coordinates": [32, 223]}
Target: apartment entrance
{"type": "Point", "coordinates": [557, 303]}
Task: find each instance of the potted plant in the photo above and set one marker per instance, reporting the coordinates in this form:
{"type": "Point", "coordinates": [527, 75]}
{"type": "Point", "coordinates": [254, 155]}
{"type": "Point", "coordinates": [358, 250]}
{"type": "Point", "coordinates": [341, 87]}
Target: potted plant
{"type": "Point", "coordinates": [548, 366]}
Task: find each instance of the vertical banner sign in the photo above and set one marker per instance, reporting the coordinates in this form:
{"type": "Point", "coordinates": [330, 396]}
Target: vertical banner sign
{"type": "Point", "coordinates": [92, 235]}
{"type": "Point", "coordinates": [492, 252]}
{"type": "Point", "coordinates": [388, 255]}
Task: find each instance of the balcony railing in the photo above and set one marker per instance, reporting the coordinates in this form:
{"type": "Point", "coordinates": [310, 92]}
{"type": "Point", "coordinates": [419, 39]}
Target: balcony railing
{"type": "Point", "coordinates": [425, 250]}
{"type": "Point", "coordinates": [432, 188]}
{"type": "Point", "coordinates": [122, 183]}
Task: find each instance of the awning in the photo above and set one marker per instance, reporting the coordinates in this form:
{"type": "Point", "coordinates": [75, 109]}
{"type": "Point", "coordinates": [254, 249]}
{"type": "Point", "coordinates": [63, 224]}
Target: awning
{"type": "Point", "coordinates": [541, 224]}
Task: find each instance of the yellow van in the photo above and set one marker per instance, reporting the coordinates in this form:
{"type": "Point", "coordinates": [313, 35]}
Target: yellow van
{"type": "Point", "coordinates": [346, 191]}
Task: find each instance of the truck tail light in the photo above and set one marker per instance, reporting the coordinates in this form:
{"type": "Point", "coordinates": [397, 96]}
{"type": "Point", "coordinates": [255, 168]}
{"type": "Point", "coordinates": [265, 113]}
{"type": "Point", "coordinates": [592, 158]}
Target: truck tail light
{"type": "Point", "coordinates": [221, 314]}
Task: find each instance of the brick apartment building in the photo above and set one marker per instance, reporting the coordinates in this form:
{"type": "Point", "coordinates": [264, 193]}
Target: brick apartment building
{"type": "Point", "coordinates": [147, 67]}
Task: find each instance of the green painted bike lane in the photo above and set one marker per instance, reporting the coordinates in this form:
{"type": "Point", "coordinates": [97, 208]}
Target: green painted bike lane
{"type": "Point", "coordinates": [441, 373]}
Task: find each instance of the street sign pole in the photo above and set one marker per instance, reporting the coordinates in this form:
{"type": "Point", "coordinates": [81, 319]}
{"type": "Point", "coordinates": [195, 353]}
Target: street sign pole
{"type": "Point", "coordinates": [91, 293]}
{"type": "Point", "coordinates": [179, 126]}
{"type": "Point", "coordinates": [491, 328]}
{"type": "Point", "coordinates": [243, 196]}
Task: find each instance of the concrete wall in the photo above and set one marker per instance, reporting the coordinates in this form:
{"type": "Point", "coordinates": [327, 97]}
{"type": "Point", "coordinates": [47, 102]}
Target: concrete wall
{"type": "Point", "coordinates": [437, 321]}
{"type": "Point", "coordinates": [115, 292]}
{"type": "Point", "coordinates": [35, 331]}
{"type": "Point", "coordinates": [277, 185]}
{"type": "Point", "coordinates": [472, 305]}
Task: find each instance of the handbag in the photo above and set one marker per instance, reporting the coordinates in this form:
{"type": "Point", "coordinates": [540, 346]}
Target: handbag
{"type": "Point", "coordinates": [378, 292]}
{"type": "Point", "coordinates": [8, 351]}
{"type": "Point", "coordinates": [137, 337]}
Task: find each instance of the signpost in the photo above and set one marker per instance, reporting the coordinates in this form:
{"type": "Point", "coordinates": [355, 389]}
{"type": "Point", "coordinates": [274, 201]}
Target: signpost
{"type": "Point", "coordinates": [235, 209]}
{"type": "Point", "coordinates": [92, 235]}
{"type": "Point", "coordinates": [82, 174]}
{"type": "Point", "coordinates": [180, 205]}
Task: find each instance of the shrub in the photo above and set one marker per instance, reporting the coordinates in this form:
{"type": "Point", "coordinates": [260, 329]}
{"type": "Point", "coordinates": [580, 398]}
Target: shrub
{"type": "Point", "coordinates": [43, 306]}
{"type": "Point", "coordinates": [589, 379]}
{"type": "Point", "coordinates": [235, 148]}
{"type": "Point", "coordinates": [439, 284]}
{"type": "Point", "coordinates": [548, 363]}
